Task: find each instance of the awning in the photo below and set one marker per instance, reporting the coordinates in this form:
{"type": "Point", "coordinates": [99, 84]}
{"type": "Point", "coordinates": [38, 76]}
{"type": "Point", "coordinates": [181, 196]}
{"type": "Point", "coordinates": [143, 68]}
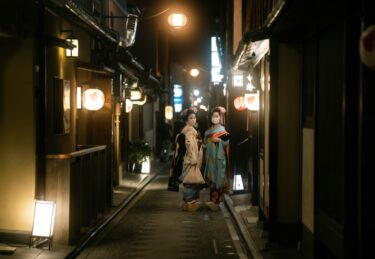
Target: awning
{"type": "Point", "coordinates": [255, 44]}
{"type": "Point", "coordinates": [135, 70]}
{"type": "Point", "coordinates": [104, 70]}
{"type": "Point", "coordinates": [88, 19]}
{"type": "Point", "coordinates": [54, 41]}
{"type": "Point", "coordinates": [128, 72]}
{"type": "Point", "coordinates": [251, 50]}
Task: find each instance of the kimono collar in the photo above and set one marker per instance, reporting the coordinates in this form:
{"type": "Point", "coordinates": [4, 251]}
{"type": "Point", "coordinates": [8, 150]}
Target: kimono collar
{"type": "Point", "coordinates": [187, 128]}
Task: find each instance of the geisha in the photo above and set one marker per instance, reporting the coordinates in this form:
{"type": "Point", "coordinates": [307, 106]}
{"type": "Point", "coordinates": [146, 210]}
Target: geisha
{"type": "Point", "coordinates": [216, 142]}
{"type": "Point", "coordinates": [187, 162]}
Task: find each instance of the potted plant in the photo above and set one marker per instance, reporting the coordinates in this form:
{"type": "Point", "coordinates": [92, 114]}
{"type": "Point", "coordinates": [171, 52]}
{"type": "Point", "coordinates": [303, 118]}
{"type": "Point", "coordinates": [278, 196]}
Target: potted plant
{"type": "Point", "coordinates": [139, 150]}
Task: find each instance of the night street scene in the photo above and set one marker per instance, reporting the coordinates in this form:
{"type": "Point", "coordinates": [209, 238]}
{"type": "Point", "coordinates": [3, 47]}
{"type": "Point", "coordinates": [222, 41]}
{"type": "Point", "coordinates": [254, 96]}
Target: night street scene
{"type": "Point", "coordinates": [187, 129]}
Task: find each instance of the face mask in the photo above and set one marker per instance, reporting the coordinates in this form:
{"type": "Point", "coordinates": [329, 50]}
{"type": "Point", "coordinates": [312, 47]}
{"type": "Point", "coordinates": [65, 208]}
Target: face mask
{"type": "Point", "coordinates": [215, 120]}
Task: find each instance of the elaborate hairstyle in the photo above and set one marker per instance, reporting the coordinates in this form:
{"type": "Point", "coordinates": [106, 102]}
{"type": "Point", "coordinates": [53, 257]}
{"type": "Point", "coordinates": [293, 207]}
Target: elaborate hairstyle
{"type": "Point", "coordinates": [221, 110]}
{"type": "Point", "coordinates": [186, 112]}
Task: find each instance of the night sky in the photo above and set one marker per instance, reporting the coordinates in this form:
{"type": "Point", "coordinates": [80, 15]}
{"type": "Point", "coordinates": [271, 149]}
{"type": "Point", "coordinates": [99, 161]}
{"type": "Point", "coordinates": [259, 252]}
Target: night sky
{"type": "Point", "coordinates": [190, 45]}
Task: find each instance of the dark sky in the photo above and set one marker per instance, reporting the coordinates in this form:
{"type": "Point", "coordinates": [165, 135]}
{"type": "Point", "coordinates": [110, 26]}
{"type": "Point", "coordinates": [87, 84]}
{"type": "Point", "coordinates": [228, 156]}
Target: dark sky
{"type": "Point", "coordinates": [190, 45]}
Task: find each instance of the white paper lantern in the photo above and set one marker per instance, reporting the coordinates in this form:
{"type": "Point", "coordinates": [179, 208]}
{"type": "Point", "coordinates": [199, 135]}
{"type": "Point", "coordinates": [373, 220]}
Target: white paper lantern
{"type": "Point", "coordinates": [128, 105]}
{"type": "Point", "coordinates": [93, 99]}
{"type": "Point", "coordinates": [168, 112]}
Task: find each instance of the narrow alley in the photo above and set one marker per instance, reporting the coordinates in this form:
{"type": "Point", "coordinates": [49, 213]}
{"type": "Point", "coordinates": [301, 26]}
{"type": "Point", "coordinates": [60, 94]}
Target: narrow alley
{"type": "Point", "coordinates": [154, 226]}
{"type": "Point", "coordinates": [187, 129]}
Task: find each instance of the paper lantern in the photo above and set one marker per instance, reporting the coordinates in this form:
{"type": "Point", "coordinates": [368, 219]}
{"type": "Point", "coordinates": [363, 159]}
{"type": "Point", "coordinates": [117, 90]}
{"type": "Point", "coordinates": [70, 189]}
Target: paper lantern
{"type": "Point", "coordinates": [93, 99]}
{"type": "Point", "coordinates": [239, 103]}
{"type": "Point", "coordinates": [252, 101]}
{"type": "Point", "coordinates": [367, 47]}
{"type": "Point", "coordinates": [128, 105]}
{"type": "Point", "coordinates": [238, 183]}
{"type": "Point", "coordinates": [168, 112]}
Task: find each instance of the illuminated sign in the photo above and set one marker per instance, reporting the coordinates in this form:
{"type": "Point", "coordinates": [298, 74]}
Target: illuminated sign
{"type": "Point", "coordinates": [177, 98]}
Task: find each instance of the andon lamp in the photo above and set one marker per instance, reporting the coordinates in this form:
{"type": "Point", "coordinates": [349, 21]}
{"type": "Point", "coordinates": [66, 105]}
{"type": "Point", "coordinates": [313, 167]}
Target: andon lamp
{"type": "Point", "coordinates": [44, 217]}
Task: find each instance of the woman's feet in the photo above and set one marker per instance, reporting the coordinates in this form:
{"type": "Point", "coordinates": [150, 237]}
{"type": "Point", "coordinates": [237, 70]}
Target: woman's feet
{"type": "Point", "coordinates": [191, 205]}
{"type": "Point", "coordinates": [212, 205]}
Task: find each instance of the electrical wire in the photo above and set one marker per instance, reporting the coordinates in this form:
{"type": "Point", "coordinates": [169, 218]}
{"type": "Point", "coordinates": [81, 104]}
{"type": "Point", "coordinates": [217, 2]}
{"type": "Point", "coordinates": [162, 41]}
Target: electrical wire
{"type": "Point", "coordinates": [155, 15]}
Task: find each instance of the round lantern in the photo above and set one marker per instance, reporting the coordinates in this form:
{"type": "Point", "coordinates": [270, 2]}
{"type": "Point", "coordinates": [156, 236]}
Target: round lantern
{"type": "Point", "coordinates": [93, 99]}
{"type": "Point", "coordinates": [367, 47]}
{"type": "Point", "coordinates": [239, 103]}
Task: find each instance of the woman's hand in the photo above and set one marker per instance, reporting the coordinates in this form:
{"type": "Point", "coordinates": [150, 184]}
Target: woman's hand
{"type": "Point", "coordinates": [213, 139]}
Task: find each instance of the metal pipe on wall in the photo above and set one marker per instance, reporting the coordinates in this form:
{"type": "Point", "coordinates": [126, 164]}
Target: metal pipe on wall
{"type": "Point", "coordinates": [40, 102]}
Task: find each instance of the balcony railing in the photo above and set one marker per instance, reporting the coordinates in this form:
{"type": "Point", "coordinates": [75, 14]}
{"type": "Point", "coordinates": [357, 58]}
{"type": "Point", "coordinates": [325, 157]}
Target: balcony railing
{"type": "Point", "coordinates": [77, 182]}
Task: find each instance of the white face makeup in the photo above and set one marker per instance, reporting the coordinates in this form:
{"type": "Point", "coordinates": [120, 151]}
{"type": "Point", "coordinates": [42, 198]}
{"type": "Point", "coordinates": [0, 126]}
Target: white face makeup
{"type": "Point", "coordinates": [191, 120]}
{"type": "Point", "coordinates": [215, 118]}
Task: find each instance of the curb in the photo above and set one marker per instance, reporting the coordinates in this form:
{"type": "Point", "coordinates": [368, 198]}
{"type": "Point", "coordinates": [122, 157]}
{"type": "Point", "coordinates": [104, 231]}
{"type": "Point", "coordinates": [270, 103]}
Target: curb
{"type": "Point", "coordinates": [244, 232]}
{"type": "Point", "coordinates": [78, 249]}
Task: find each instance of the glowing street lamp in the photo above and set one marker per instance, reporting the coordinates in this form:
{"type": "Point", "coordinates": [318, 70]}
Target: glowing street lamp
{"type": "Point", "coordinates": [177, 20]}
{"type": "Point", "coordinates": [194, 72]}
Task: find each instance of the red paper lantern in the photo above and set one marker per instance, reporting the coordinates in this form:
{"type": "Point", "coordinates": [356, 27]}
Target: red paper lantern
{"type": "Point", "coordinates": [367, 47]}
{"type": "Point", "coordinates": [239, 103]}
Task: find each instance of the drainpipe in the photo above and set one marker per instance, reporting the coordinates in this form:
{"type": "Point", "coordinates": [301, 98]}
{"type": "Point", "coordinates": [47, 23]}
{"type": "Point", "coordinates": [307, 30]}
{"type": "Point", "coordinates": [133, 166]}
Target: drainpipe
{"type": "Point", "coordinates": [40, 101]}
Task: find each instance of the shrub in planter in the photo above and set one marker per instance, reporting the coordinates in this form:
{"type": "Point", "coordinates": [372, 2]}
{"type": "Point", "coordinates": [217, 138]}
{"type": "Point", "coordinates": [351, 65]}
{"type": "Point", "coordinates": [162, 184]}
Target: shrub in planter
{"type": "Point", "coordinates": [139, 150]}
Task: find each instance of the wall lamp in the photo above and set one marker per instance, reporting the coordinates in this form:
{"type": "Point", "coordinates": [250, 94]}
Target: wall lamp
{"type": "Point", "coordinates": [44, 218]}
{"type": "Point", "coordinates": [75, 51]}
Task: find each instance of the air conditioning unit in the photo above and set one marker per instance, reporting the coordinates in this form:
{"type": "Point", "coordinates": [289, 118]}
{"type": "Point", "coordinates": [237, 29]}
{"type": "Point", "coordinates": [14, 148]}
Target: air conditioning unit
{"type": "Point", "coordinates": [130, 31]}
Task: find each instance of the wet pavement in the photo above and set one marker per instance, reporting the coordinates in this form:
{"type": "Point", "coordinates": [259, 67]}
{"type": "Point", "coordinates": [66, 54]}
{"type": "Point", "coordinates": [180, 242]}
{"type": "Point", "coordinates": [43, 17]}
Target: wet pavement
{"type": "Point", "coordinates": [247, 218]}
{"type": "Point", "coordinates": [146, 221]}
{"type": "Point", "coordinates": [154, 226]}
{"type": "Point", "coordinates": [123, 193]}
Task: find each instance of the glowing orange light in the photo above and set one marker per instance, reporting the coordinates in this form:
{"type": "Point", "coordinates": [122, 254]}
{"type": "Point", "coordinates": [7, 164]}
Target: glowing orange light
{"type": "Point", "coordinates": [177, 20]}
{"type": "Point", "coordinates": [239, 103]}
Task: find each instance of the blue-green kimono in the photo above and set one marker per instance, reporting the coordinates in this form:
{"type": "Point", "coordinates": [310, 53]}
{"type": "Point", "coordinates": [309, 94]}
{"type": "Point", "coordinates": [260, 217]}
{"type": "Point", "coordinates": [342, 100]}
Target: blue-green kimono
{"type": "Point", "coordinates": [216, 155]}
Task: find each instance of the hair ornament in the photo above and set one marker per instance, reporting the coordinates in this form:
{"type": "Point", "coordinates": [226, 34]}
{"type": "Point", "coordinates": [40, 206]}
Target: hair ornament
{"type": "Point", "coordinates": [221, 109]}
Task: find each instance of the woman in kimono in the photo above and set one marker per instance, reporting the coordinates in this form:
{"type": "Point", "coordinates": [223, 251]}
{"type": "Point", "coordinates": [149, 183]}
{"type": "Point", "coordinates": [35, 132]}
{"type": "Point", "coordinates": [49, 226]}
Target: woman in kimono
{"type": "Point", "coordinates": [187, 161]}
{"type": "Point", "coordinates": [216, 142]}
